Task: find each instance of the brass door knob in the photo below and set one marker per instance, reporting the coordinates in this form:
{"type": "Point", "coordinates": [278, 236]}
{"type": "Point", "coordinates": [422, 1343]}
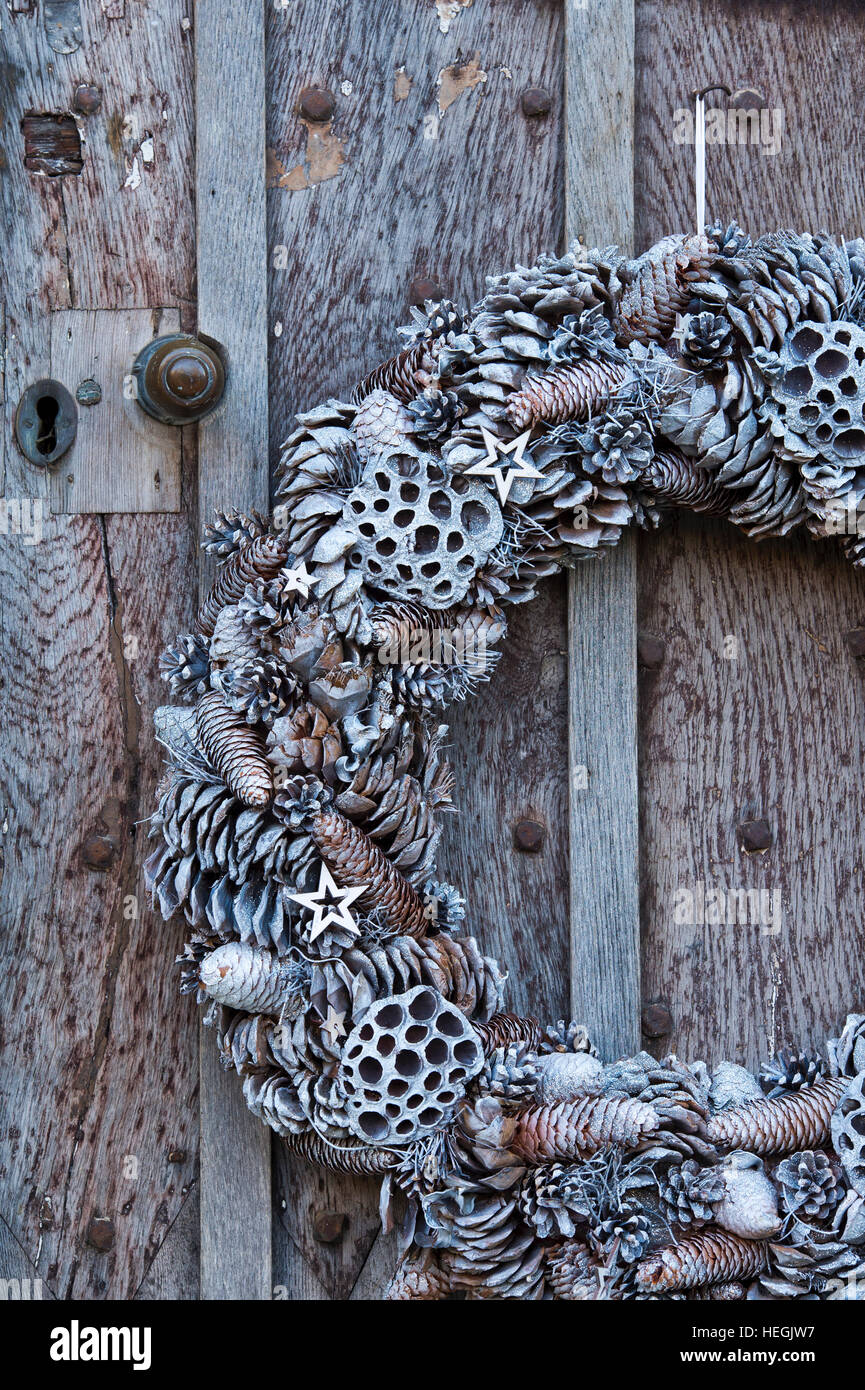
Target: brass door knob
{"type": "Point", "coordinates": [178, 379]}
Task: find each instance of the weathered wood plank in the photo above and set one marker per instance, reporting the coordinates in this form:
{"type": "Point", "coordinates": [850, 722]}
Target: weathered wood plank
{"type": "Point", "coordinates": [232, 472]}
{"type": "Point", "coordinates": [449, 195]}
{"type": "Point", "coordinates": [121, 460]}
{"type": "Point", "coordinates": [602, 687]}
{"type": "Point", "coordinates": [757, 710]}
{"type": "Point", "coordinates": [98, 1073]}
{"type": "Point", "coordinates": [174, 1273]}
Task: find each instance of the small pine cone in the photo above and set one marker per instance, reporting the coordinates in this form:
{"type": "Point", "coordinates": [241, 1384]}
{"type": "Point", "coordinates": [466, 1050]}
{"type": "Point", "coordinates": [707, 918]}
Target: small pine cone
{"type": "Point", "coordinates": [691, 1193]}
{"type": "Point", "coordinates": [731, 1292]}
{"type": "Point", "coordinates": [659, 285]}
{"type": "Point", "coordinates": [230, 530]}
{"type": "Point", "coordinates": [260, 559]}
{"type": "Point", "coordinates": [510, 1075]}
{"type": "Point", "coordinates": [565, 393]}
{"type": "Point", "coordinates": [356, 861]}
{"type": "Point", "coordinates": [623, 1237]}
{"type": "Point", "coordinates": [572, 1272]}
{"type": "Point", "coordinates": [232, 641]}
{"type": "Point", "coordinates": [420, 1278]}
{"type": "Point", "coordinates": [242, 976]}
{"type": "Point", "coordinates": [435, 413]}
{"type": "Point", "coordinates": [790, 1071]}
{"type": "Point", "coordinates": [809, 1185]}
{"type": "Point", "coordinates": [341, 1156]}
{"type": "Point", "coordinates": [306, 742]}
{"type": "Point", "coordinates": [401, 376]}
{"type": "Point", "coordinates": [399, 619]}
{"type": "Point", "coordinates": [618, 445]}
{"type": "Point", "coordinates": [382, 424]}
{"type": "Point", "coordinates": [186, 665]}
{"type": "Point", "coordinates": [713, 1257]}
{"type": "Point", "coordinates": [579, 1128]}
{"type": "Point", "coordinates": [567, 1037]}
{"type": "Point", "coordinates": [674, 478]}
{"type": "Point", "coordinates": [504, 1029]}
{"type": "Point", "coordinates": [234, 750]}
{"type": "Point", "coordinates": [707, 340]}
{"type": "Point", "coordinates": [550, 1197]}
{"type": "Point", "coordinates": [797, 1121]}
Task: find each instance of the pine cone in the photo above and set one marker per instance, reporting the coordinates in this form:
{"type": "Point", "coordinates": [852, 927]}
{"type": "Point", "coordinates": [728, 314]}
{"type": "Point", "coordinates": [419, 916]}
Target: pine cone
{"type": "Point", "coordinates": [790, 1071]}
{"type": "Point", "coordinates": [439, 318]}
{"type": "Point", "coordinates": [690, 1194]}
{"type": "Point", "coordinates": [452, 965]}
{"type": "Point", "coordinates": [847, 1053]}
{"type": "Point", "coordinates": [242, 976]}
{"type": "Point", "coordinates": [729, 240]}
{"type": "Point", "coordinates": [567, 1037]}
{"type": "Point", "coordinates": [618, 446]}
{"type": "Point", "coordinates": [706, 340]}
{"type": "Point", "coordinates": [234, 750]}
{"type": "Point", "coordinates": [504, 1029]}
{"type": "Point", "coordinates": [585, 336]}
{"type": "Point", "coordinates": [435, 413]}
{"type": "Point", "coordinates": [550, 1198]}
{"type": "Point", "coordinates": [659, 285]}
{"type": "Point", "coordinates": [259, 688]}
{"type": "Point", "coordinates": [509, 1075]}
{"type": "Point", "coordinates": [229, 531]}
{"type": "Point", "coordinates": [318, 467]}
{"type": "Point", "coordinates": [262, 558]}
{"type": "Point", "coordinates": [186, 666]}
{"type": "Point", "coordinates": [418, 1277]}
{"type": "Point", "coordinates": [713, 1257]}
{"type": "Point", "coordinates": [382, 425]}
{"type": "Point", "coordinates": [306, 741]}
{"type": "Point", "coordinates": [578, 1129]}
{"type": "Point", "coordinates": [565, 393]}
{"type": "Point", "coordinates": [400, 376]}
{"type": "Point", "coordinates": [485, 1250]}
{"type": "Point", "coordinates": [621, 1237]}
{"type": "Point", "coordinates": [673, 478]}
{"type": "Point", "coordinates": [341, 1156]}
{"type": "Point", "coordinates": [809, 1185]}
{"type": "Point", "coordinates": [356, 861]}
{"type": "Point", "coordinates": [797, 1121]}
{"type": "Point", "coordinates": [575, 1274]}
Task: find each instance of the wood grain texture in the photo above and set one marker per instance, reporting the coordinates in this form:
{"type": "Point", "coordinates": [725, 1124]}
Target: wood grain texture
{"type": "Point", "coordinates": [232, 472]}
{"type": "Point", "coordinates": [451, 195]}
{"type": "Point", "coordinates": [99, 1073]}
{"type": "Point", "coordinates": [121, 460]}
{"type": "Point", "coordinates": [602, 596]}
{"type": "Point", "coordinates": [776, 732]}
{"type": "Point", "coordinates": [174, 1274]}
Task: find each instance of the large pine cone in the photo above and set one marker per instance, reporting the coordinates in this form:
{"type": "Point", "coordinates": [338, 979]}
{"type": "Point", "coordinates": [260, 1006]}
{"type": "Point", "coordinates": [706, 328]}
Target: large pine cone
{"type": "Point", "coordinates": [798, 1121]}
{"type": "Point", "coordinates": [713, 1257]}
{"type": "Point", "coordinates": [579, 1128]}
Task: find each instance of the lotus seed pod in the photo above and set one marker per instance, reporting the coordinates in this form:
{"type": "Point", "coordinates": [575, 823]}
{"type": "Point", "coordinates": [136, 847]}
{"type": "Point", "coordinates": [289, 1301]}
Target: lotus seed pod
{"type": "Point", "coordinates": [749, 1206]}
{"type": "Point", "coordinates": [848, 1132]}
{"type": "Point", "coordinates": [406, 1064]}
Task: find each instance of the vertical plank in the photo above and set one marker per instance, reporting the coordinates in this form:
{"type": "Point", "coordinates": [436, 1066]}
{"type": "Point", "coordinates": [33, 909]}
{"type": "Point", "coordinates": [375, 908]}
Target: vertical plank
{"type": "Point", "coordinates": [233, 471]}
{"type": "Point", "coordinates": [454, 194]}
{"type": "Point", "coordinates": [602, 597]}
{"type": "Point", "coordinates": [98, 1072]}
{"type": "Point", "coordinates": [758, 710]}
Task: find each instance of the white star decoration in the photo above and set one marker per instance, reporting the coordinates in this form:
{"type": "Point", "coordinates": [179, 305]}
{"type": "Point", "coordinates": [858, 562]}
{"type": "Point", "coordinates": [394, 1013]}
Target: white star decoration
{"type": "Point", "coordinates": [491, 467]}
{"type": "Point", "coordinates": [298, 580]}
{"type": "Point", "coordinates": [334, 1025]}
{"type": "Point", "coordinates": [329, 905]}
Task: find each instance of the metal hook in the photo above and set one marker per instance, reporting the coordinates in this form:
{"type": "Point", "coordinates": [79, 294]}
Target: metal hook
{"type": "Point", "coordinates": [718, 87]}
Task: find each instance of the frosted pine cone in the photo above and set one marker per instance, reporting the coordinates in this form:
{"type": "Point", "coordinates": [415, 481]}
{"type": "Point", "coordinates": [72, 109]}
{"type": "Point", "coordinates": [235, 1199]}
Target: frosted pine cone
{"type": "Point", "coordinates": [401, 376]}
{"type": "Point", "coordinates": [229, 531]}
{"type": "Point", "coordinates": [567, 1037]}
{"type": "Point", "coordinates": [484, 1248]}
{"type": "Point", "coordinates": [621, 1237]}
{"type": "Point", "coordinates": [578, 1129]}
{"type": "Point", "coordinates": [186, 666]}
{"type": "Point", "coordinates": [809, 1184]}
{"type": "Point", "coordinates": [690, 1194]}
{"type": "Point", "coordinates": [504, 1029]}
{"type": "Point", "coordinates": [671, 478]}
{"type": "Point", "coordinates": [729, 240]}
{"type": "Point", "coordinates": [713, 1257]}
{"type": "Point", "coordinates": [382, 425]}
{"type": "Point", "coordinates": [575, 1274]}
{"type": "Point", "coordinates": [618, 446]}
{"type": "Point", "coordinates": [306, 741]}
{"type": "Point", "coordinates": [234, 750]}
{"type": "Point", "coordinates": [438, 319]}
{"type": "Point", "coordinates": [551, 1200]}
{"type": "Point", "coordinates": [847, 1053]}
{"type": "Point", "coordinates": [797, 1121]}
{"type": "Point", "coordinates": [435, 413]}
{"type": "Point", "coordinates": [509, 1075]}
{"type": "Point", "coordinates": [418, 1278]}
{"type": "Point", "coordinates": [571, 392]}
{"type": "Point", "coordinates": [579, 337]}
{"type": "Point", "coordinates": [706, 340]}
{"type": "Point", "coordinates": [659, 285]}
{"type": "Point", "coordinates": [790, 1071]}
{"type": "Point", "coordinates": [262, 558]}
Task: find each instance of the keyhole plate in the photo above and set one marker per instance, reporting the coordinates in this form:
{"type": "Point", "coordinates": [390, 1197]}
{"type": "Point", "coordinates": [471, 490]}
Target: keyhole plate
{"type": "Point", "coordinates": [46, 422]}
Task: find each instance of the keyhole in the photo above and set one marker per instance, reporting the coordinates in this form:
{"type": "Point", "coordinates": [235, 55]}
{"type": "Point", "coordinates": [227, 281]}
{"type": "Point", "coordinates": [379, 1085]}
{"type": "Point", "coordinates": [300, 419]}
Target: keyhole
{"type": "Point", "coordinates": [46, 434]}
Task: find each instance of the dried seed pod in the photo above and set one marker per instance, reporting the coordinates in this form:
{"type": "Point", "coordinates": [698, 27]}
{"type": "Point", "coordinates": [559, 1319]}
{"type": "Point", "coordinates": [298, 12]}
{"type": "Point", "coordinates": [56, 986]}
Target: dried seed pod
{"type": "Point", "coordinates": [503, 1029]}
{"type": "Point", "coordinates": [749, 1205]}
{"type": "Point", "coordinates": [578, 1129]}
{"type": "Point", "coordinates": [341, 1156]}
{"type": "Point", "coordinates": [798, 1121]}
{"type": "Point", "coordinates": [402, 376]}
{"type": "Point", "coordinates": [242, 976]}
{"type": "Point", "coordinates": [712, 1257]}
{"type": "Point", "coordinates": [848, 1131]}
{"type": "Point", "coordinates": [571, 392]}
{"type": "Point", "coordinates": [235, 750]}
{"type": "Point", "coordinates": [406, 1065]}
{"type": "Point", "coordinates": [262, 558]}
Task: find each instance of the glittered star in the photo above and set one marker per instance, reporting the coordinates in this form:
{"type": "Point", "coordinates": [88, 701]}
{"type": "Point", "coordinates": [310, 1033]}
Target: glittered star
{"type": "Point", "coordinates": [329, 905]}
{"type": "Point", "coordinates": [297, 581]}
{"type": "Point", "coordinates": [334, 1025]}
{"type": "Point", "coordinates": [497, 452]}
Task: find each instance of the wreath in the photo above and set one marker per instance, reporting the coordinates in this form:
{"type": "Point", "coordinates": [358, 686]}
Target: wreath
{"type": "Point", "coordinates": [300, 811]}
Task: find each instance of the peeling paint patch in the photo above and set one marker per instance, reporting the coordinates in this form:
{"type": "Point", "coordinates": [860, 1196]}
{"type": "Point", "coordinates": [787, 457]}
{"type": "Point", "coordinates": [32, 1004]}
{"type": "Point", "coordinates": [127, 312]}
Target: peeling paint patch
{"type": "Point", "coordinates": [346, 88]}
{"type": "Point", "coordinates": [144, 153]}
{"type": "Point", "coordinates": [459, 78]}
{"type": "Point", "coordinates": [431, 126]}
{"type": "Point", "coordinates": [323, 160]}
{"type": "Point", "coordinates": [401, 84]}
{"type": "Point", "coordinates": [447, 10]}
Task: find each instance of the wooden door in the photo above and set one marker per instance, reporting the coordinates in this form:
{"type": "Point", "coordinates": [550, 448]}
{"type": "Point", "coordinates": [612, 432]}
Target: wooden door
{"type": "Point", "coordinates": [299, 243]}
